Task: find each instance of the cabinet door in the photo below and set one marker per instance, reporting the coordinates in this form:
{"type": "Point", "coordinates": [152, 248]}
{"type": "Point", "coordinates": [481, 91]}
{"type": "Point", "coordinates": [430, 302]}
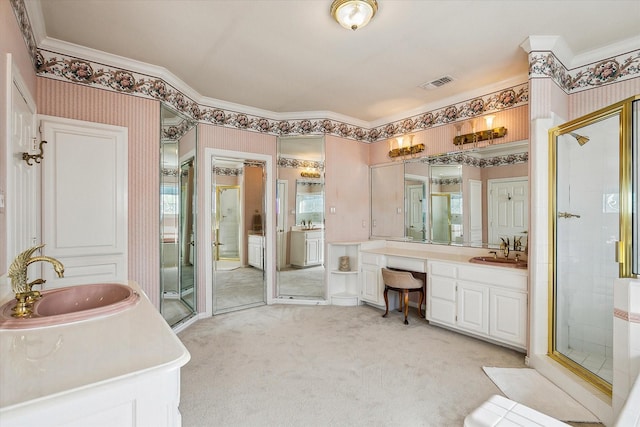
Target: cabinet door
{"type": "Point", "coordinates": [313, 252]}
{"type": "Point", "coordinates": [442, 300]}
{"type": "Point", "coordinates": [508, 316]}
{"type": "Point", "coordinates": [473, 307]}
{"type": "Point", "coordinates": [371, 284]}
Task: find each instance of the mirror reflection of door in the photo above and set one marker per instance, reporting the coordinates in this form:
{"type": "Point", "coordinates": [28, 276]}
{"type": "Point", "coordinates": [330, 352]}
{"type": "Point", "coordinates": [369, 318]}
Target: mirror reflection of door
{"type": "Point", "coordinates": [177, 217]}
{"type": "Point", "coordinates": [441, 217]}
{"type": "Point", "coordinates": [228, 223]}
{"type": "Point", "coordinates": [508, 209]}
{"type": "Point", "coordinates": [281, 223]}
{"type": "Point", "coordinates": [416, 201]}
{"type": "Point", "coordinates": [238, 233]}
{"type": "Point", "coordinates": [300, 218]}
{"type": "Point", "coordinates": [187, 232]}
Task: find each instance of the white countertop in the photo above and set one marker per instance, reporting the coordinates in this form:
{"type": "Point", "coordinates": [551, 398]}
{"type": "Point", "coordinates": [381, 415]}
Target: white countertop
{"type": "Point", "coordinates": [430, 252]}
{"type": "Point", "coordinates": [43, 362]}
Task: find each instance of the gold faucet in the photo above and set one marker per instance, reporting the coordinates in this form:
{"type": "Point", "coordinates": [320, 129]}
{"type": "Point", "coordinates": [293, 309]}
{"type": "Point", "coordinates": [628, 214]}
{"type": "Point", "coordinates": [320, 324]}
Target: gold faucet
{"type": "Point", "coordinates": [18, 275]}
{"type": "Point", "coordinates": [504, 247]}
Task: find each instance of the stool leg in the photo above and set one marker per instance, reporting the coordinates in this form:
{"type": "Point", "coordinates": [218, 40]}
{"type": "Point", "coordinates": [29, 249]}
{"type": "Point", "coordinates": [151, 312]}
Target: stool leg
{"type": "Point", "coordinates": [406, 305]}
{"type": "Point", "coordinates": [420, 304]}
{"type": "Point", "coordinates": [386, 301]}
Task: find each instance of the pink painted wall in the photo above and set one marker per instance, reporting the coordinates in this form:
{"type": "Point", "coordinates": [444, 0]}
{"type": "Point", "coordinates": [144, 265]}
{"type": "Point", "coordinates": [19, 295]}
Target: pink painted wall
{"type": "Point", "coordinates": [11, 42]}
{"type": "Point", "coordinates": [142, 118]}
{"type": "Point", "coordinates": [439, 139]}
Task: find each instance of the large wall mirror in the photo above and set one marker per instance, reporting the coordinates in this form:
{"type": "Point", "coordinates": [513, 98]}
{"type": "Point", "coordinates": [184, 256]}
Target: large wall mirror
{"type": "Point", "coordinates": [177, 216]}
{"type": "Point", "coordinates": [473, 197]}
{"type": "Point", "coordinates": [300, 218]}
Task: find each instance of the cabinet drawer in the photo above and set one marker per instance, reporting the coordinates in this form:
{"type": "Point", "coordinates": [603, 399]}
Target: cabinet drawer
{"type": "Point", "coordinates": [442, 288]}
{"type": "Point", "coordinates": [496, 276]}
{"type": "Point", "coordinates": [410, 264]}
{"type": "Point", "coordinates": [370, 258]}
{"type": "Point", "coordinates": [443, 269]}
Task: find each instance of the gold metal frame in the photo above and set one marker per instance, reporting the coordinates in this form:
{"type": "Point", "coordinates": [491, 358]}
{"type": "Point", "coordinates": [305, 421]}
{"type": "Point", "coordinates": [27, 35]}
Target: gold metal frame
{"type": "Point", "coordinates": [624, 252]}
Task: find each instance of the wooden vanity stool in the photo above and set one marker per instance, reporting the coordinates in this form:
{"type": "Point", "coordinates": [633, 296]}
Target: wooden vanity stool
{"type": "Point", "coordinates": [403, 282]}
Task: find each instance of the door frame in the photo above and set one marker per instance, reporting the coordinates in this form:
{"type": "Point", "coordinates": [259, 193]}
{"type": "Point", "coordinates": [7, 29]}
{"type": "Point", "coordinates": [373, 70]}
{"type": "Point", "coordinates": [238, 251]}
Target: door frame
{"type": "Point", "coordinates": [207, 241]}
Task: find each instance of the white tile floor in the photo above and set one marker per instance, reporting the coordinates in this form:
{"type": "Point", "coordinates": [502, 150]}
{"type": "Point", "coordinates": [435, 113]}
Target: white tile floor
{"type": "Point", "coordinates": [600, 365]}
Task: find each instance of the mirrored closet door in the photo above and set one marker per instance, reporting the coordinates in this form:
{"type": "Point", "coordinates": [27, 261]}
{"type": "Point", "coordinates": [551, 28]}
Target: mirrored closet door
{"type": "Point", "coordinates": [238, 196]}
{"type": "Point", "coordinates": [177, 216]}
{"type": "Point", "coordinates": [300, 228]}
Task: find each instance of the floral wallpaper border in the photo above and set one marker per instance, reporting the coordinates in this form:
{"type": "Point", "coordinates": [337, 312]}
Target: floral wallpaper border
{"type": "Point", "coordinates": [610, 70]}
{"type": "Point", "coordinates": [227, 171]}
{"type": "Point", "coordinates": [284, 162]}
{"type": "Point", "coordinates": [175, 132]}
{"type": "Point", "coordinates": [468, 160]}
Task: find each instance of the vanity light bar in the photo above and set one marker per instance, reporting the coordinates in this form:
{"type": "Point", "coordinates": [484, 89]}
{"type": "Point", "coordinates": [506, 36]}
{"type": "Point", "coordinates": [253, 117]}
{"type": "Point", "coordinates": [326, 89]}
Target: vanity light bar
{"type": "Point", "coordinates": [480, 136]}
{"type": "Point", "coordinates": [406, 151]}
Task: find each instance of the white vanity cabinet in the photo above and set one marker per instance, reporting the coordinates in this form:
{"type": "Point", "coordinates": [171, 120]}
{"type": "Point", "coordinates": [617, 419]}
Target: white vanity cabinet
{"type": "Point", "coordinates": [307, 247]}
{"type": "Point", "coordinates": [256, 251]}
{"type": "Point", "coordinates": [371, 285]}
{"type": "Point", "coordinates": [489, 302]}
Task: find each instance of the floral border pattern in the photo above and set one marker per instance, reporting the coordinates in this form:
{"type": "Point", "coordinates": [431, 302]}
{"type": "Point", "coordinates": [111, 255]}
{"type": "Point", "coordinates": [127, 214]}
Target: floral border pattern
{"type": "Point", "coordinates": [175, 132]}
{"type": "Point", "coordinates": [284, 162]}
{"type": "Point", "coordinates": [610, 70]}
{"type": "Point", "coordinates": [446, 181]}
{"type": "Point", "coordinates": [467, 160]}
{"type": "Point", "coordinates": [227, 171]}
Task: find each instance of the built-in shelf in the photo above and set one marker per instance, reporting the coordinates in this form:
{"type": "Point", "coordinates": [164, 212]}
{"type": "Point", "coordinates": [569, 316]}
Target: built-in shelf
{"type": "Point", "coordinates": [343, 285]}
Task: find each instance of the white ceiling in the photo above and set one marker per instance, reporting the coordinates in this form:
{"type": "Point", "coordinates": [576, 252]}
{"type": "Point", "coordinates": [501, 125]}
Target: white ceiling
{"type": "Point", "coordinates": [290, 56]}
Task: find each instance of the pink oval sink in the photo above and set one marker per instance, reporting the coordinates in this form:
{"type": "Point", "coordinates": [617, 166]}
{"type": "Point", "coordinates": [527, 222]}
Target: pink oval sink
{"type": "Point", "coordinates": [71, 304]}
{"type": "Point", "coordinates": [503, 262]}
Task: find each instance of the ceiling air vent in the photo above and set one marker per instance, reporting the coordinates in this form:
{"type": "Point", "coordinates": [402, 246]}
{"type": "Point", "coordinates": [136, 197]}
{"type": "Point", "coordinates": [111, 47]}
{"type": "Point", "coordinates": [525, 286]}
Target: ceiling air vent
{"type": "Point", "coordinates": [434, 84]}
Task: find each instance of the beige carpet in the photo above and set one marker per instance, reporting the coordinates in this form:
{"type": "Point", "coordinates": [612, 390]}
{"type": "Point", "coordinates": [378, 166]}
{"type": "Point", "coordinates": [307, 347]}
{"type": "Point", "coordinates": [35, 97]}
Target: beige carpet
{"type": "Point", "coordinates": [289, 365]}
{"type": "Point", "coordinates": [530, 388]}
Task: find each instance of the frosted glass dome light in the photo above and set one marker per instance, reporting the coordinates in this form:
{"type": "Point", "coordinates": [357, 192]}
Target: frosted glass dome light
{"type": "Point", "coordinates": [353, 14]}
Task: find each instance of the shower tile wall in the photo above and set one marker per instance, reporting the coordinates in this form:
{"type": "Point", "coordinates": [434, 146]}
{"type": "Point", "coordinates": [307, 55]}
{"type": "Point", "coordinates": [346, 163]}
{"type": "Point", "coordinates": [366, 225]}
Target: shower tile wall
{"type": "Point", "coordinates": [586, 249]}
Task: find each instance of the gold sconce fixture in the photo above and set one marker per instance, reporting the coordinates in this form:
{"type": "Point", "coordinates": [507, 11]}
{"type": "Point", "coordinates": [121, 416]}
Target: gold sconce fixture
{"type": "Point", "coordinates": [489, 134]}
{"type": "Point", "coordinates": [405, 147]}
{"type": "Point", "coordinates": [310, 174]}
{"type": "Point", "coordinates": [353, 14]}
{"type": "Point", "coordinates": [36, 157]}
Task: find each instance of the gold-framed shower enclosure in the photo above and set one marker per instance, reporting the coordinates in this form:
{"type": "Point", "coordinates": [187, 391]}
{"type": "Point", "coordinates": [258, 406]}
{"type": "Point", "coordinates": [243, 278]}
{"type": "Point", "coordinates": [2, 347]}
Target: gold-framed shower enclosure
{"type": "Point", "coordinates": [624, 246]}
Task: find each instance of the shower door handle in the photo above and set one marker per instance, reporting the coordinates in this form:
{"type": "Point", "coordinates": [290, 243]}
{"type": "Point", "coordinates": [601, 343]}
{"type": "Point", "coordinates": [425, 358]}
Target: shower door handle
{"type": "Point", "coordinates": [567, 215]}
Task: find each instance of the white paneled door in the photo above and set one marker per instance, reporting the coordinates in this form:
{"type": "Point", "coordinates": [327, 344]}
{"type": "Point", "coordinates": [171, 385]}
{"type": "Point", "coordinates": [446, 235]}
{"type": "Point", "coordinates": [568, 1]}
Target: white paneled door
{"type": "Point", "coordinates": [84, 201]}
{"type": "Point", "coordinates": [23, 179]}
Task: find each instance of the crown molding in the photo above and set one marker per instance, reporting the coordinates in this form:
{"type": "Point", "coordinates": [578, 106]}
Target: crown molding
{"type": "Point", "coordinates": [616, 49]}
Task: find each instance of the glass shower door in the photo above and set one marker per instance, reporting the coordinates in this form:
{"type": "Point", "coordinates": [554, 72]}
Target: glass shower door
{"type": "Point", "coordinates": [587, 230]}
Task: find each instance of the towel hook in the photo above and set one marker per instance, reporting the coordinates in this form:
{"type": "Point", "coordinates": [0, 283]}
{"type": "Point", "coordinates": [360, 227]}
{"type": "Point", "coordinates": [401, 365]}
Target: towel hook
{"type": "Point", "coordinates": [37, 157]}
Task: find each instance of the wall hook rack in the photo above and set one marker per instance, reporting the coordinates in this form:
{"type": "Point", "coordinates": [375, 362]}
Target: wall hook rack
{"type": "Point", "coordinates": [36, 157]}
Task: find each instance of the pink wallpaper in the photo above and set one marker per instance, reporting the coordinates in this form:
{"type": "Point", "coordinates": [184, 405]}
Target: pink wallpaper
{"type": "Point", "coordinates": [142, 118]}
{"type": "Point", "coordinates": [587, 101]}
{"type": "Point", "coordinates": [346, 189]}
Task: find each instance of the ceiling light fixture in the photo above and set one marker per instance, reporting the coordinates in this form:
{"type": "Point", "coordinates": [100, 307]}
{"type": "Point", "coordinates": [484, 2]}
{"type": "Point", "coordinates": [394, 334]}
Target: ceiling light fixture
{"type": "Point", "coordinates": [353, 14]}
